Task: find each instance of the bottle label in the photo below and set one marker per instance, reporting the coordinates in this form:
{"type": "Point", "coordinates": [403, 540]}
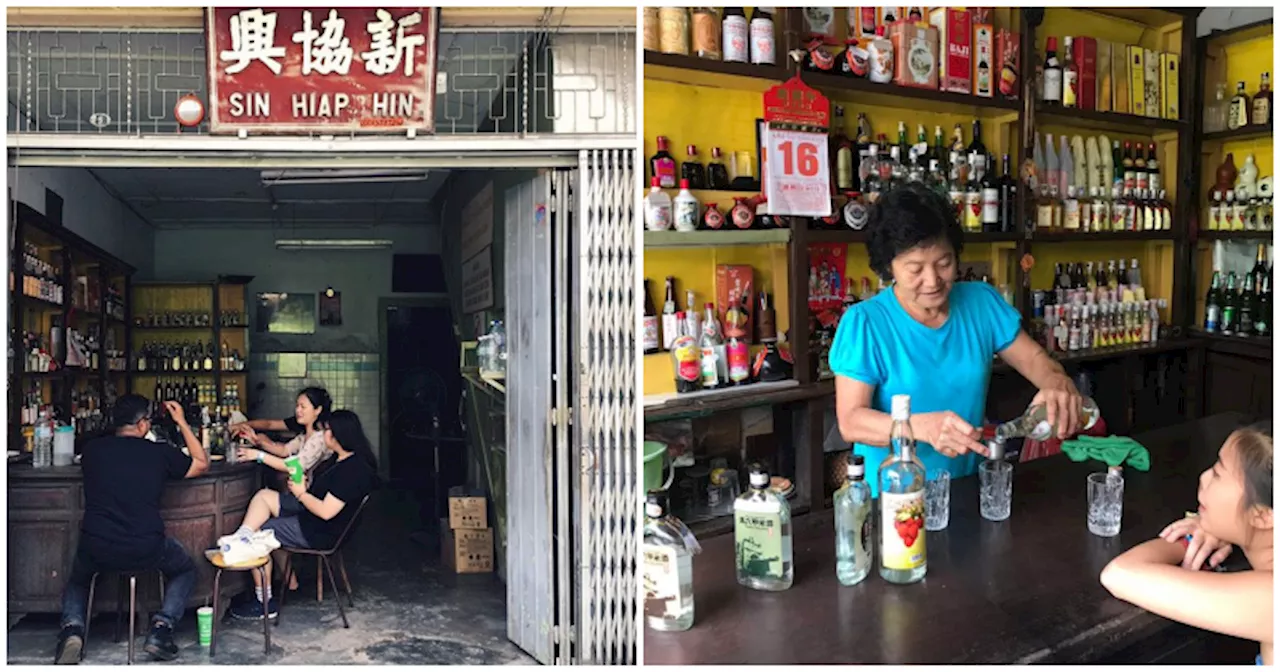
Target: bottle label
{"type": "Point", "coordinates": [1068, 89]}
{"type": "Point", "coordinates": [1261, 111]}
{"type": "Point", "coordinates": [659, 217]}
{"type": "Point", "coordinates": [902, 530]}
{"type": "Point", "coordinates": [757, 531]}
{"type": "Point", "coordinates": [686, 213]}
{"type": "Point", "coordinates": [735, 39]}
{"type": "Point", "coordinates": [739, 362]}
{"type": "Point", "coordinates": [762, 41]}
{"type": "Point", "coordinates": [990, 206]}
{"type": "Point", "coordinates": [710, 367]}
{"type": "Point", "coordinates": [665, 171]}
{"type": "Point", "coordinates": [688, 358]}
{"type": "Point", "coordinates": [855, 215]}
{"type": "Point", "coordinates": [661, 580]}
{"type": "Point", "coordinates": [1052, 84]}
{"type": "Point", "coordinates": [650, 333]}
{"type": "Point", "coordinates": [669, 325]}
{"type": "Point", "coordinates": [1211, 317]}
{"type": "Point", "coordinates": [713, 218]}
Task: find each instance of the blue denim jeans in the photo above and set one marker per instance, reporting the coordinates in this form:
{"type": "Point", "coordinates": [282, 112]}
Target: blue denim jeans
{"type": "Point", "coordinates": [179, 575]}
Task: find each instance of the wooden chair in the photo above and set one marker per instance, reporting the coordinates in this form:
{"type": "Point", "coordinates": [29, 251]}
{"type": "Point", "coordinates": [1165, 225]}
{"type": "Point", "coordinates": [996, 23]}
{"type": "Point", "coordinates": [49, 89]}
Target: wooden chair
{"type": "Point", "coordinates": [260, 566]}
{"type": "Point", "coordinates": [324, 565]}
{"type": "Point", "coordinates": [131, 576]}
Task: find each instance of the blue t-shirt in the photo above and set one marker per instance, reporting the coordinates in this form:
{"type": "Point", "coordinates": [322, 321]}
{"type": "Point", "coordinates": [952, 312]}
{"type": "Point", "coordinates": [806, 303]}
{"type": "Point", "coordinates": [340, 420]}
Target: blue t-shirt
{"type": "Point", "coordinates": [943, 369]}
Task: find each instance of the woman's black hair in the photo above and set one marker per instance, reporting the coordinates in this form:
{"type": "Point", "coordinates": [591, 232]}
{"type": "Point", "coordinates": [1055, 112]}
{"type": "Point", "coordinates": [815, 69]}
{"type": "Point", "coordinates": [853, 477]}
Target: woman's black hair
{"type": "Point", "coordinates": [349, 433]}
{"type": "Point", "coordinates": [904, 217]}
{"type": "Point", "coordinates": [319, 398]}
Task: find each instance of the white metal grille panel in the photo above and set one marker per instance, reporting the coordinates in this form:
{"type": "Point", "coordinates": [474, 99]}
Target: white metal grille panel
{"type": "Point", "coordinates": [606, 394]}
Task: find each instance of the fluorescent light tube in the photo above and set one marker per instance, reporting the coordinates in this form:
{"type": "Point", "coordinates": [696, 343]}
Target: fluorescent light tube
{"type": "Point", "coordinates": [333, 244]}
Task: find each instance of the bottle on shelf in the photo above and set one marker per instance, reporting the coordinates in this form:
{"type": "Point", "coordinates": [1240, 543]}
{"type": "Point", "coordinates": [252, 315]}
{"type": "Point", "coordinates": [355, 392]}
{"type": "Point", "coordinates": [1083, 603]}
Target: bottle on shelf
{"type": "Point", "coordinates": [902, 540]}
{"type": "Point", "coordinates": [686, 357]}
{"type": "Point", "coordinates": [652, 343]}
{"type": "Point", "coordinates": [673, 30]}
{"type": "Point", "coordinates": [662, 165]}
{"type": "Point", "coordinates": [714, 371]}
{"type": "Point", "coordinates": [853, 506]}
{"type": "Point", "coordinates": [1238, 109]}
{"type": "Point", "coordinates": [1051, 77]}
{"type": "Point", "coordinates": [692, 170]}
{"type": "Point", "coordinates": [685, 208]}
{"type": "Point", "coordinates": [706, 34]}
{"type": "Point", "coordinates": [670, 325]}
{"type": "Point", "coordinates": [762, 535]}
{"type": "Point", "coordinates": [717, 174]}
{"type": "Point", "coordinates": [736, 40]}
{"type": "Point", "coordinates": [657, 208]}
{"type": "Point", "coordinates": [668, 549]}
{"type": "Point", "coordinates": [1261, 108]}
{"type": "Point", "coordinates": [761, 36]}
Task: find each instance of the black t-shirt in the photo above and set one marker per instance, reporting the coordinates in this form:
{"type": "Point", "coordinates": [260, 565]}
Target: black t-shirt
{"type": "Point", "coordinates": [349, 480]}
{"type": "Point", "coordinates": [124, 478]}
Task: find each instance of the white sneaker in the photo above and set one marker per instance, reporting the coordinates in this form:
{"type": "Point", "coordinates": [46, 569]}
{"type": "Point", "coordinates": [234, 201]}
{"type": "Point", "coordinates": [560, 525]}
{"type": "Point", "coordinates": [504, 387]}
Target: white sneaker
{"type": "Point", "coordinates": [266, 539]}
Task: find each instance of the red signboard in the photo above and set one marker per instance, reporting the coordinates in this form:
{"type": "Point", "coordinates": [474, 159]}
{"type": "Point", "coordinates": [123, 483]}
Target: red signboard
{"type": "Point", "coordinates": [794, 102]}
{"type": "Point", "coordinates": [300, 69]}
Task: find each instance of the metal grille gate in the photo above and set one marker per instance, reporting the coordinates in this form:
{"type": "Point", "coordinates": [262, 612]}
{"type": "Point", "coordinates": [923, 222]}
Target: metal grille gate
{"type": "Point", "coordinates": [604, 299]}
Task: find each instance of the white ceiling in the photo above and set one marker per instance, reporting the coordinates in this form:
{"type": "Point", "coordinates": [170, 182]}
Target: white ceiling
{"type": "Point", "coordinates": [236, 197]}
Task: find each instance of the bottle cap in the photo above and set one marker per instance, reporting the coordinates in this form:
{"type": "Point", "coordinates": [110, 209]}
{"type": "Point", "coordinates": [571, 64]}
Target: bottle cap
{"type": "Point", "coordinates": [857, 467]}
{"type": "Point", "coordinates": [684, 184]}
{"type": "Point", "coordinates": [995, 448]}
{"type": "Point", "coordinates": [691, 150]}
{"type": "Point", "coordinates": [759, 476]}
{"type": "Point", "coordinates": [656, 503]}
{"type": "Point", "coordinates": [901, 406]}
{"type": "Point", "coordinates": [655, 183]}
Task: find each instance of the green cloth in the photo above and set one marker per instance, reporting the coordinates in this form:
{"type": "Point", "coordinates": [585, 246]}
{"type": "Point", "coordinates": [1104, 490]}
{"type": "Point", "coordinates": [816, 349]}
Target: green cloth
{"type": "Point", "coordinates": [1113, 450]}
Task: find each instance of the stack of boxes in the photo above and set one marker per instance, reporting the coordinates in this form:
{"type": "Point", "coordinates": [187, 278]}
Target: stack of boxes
{"type": "Point", "coordinates": [467, 547]}
{"type": "Point", "coordinates": [1126, 78]}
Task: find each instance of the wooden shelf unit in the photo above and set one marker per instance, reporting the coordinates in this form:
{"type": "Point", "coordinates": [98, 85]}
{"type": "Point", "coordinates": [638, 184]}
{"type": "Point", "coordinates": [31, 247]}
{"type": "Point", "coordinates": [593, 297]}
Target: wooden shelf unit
{"type": "Point", "coordinates": [1021, 119]}
{"type": "Point", "coordinates": [72, 257]}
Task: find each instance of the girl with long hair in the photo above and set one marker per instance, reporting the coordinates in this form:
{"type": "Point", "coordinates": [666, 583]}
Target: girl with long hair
{"type": "Point", "coordinates": [1235, 510]}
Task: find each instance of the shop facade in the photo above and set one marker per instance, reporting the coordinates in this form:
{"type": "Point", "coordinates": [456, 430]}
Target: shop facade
{"type": "Point", "coordinates": [528, 119]}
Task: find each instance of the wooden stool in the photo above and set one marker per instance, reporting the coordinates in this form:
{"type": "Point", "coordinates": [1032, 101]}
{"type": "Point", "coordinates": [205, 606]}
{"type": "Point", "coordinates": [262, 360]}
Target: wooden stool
{"type": "Point", "coordinates": [132, 576]}
{"type": "Point", "coordinates": [259, 566]}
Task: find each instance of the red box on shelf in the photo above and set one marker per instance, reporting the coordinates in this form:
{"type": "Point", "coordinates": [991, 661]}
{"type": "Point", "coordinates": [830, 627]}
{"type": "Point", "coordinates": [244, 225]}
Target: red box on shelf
{"type": "Point", "coordinates": [1085, 52]}
{"type": "Point", "coordinates": [955, 40]}
{"type": "Point", "coordinates": [732, 282]}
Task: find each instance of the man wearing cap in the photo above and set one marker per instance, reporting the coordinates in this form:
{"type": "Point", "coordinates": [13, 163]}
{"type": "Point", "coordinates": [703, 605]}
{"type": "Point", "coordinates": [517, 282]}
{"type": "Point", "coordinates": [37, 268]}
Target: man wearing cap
{"type": "Point", "coordinates": [124, 477]}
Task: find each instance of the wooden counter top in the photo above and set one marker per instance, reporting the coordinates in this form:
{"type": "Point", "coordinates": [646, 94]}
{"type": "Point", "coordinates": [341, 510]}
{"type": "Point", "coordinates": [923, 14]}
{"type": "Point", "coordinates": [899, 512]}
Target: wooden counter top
{"type": "Point", "coordinates": [217, 470]}
{"type": "Point", "coordinates": [1025, 590]}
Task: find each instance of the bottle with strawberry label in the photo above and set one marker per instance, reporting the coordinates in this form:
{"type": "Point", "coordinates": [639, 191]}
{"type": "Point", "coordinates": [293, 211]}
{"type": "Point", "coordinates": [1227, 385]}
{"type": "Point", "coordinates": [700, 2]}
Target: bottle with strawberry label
{"type": "Point", "coordinates": [902, 538]}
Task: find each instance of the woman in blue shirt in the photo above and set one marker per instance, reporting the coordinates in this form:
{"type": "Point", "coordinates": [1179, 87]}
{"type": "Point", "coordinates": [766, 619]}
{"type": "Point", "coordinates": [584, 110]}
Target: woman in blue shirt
{"type": "Point", "coordinates": [933, 338]}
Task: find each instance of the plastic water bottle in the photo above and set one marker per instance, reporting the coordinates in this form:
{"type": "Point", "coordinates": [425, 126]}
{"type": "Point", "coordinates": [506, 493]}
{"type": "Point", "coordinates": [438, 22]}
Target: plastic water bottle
{"type": "Point", "coordinates": [42, 454]}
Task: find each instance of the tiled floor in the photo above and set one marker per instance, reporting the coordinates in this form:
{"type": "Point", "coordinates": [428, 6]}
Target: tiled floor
{"type": "Point", "coordinates": [408, 612]}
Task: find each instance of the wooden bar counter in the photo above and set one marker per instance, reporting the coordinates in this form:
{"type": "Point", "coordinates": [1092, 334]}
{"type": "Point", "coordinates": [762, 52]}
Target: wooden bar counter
{"type": "Point", "coordinates": [47, 505]}
{"type": "Point", "coordinates": [1025, 590]}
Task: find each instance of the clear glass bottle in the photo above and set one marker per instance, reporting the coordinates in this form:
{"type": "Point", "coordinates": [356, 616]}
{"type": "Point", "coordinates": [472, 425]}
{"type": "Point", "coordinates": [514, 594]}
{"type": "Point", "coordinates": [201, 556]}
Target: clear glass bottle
{"type": "Point", "coordinates": [762, 535]}
{"type": "Point", "coordinates": [1034, 424]}
{"type": "Point", "coordinates": [852, 503]}
{"type": "Point", "coordinates": [995, 483]}
{"type": "Point", "coordinates": [722, 487]}
{"type": "Point", "coordinates": [668, 550]}
{"type": "Point", "coordinates": [902, 540]}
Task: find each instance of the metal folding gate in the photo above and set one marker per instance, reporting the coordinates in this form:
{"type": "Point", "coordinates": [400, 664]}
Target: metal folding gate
{"type": "Point", "coordinates": [571, 407]}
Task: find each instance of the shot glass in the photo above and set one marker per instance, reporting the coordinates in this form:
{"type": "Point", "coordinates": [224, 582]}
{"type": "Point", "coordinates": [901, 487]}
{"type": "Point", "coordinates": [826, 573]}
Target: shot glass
{"type": "Point", "coordinates": [937, 500]}
{"type": "Point", "coordinates": [995, 489]}
{"type": "Point", "coordinates": [1106, 504]}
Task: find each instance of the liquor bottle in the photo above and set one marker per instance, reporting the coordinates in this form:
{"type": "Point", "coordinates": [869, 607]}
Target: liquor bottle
{"type": "Point", "coordinates": [762, 42]}
{"type": "Point", "coordinates": [668, 549]}
{"type": "Point", "coordinates": [1140, 175]}
{"type": "Point", "coordinates": [1262, 316]}
{"type": "Point", "coordinates": [904, 150]}
{"type": "Point", "coordinates": [972, 204]}
{"type": "Point", "coordinates": [979, 158]}
{"type": "Point", "coordinates": [1129, 167]}
{"type": "Point", "coordinates": [714, 373]}
{"type": "Point", "coordinates": [1262, 102]}
{"type": "Point", "coordinates": [685, 209]}
{"type": "Point", "coordinates": [686, 357]}
{"type": "Point", "coordinates": [657, 207]}
{"type": "Point", "coordinates": [842, 153]}
{"type": "Point", "coordinates": [736, 41]}
{"type": "Point", "coordinates": [1154, 181]}
{"type": "Point", "coordinates": [1070, 77]}
{"type": "Point", "coordinates": [1246, 303]}
{"type": "Point", "coordinates": [670, 326]}
{"type": "Point", "coordinates": [1230, 306]}
{"type": "Point", "coordinates": [692, 169]}
{"type": "Point", "coordinates": [939, 150]}
{"type": "Point", "coordinates": [991, 191]}
{"type": "Point", "coordinates": [766, 331]}
{"type": "Point", "coordinates": [1034, 423]}
{"type": "Point", "coordinates": [693, 320]}
{"type": "Point", "coordinates": [663, 166]}
{"type": "Point", "coordinates": [852, 504]}
{"type": "Point", "coordinates": [1238, 108]}
{"type": "Point", "coordinates": [208, 357]}
{"type": "Point", "coordinates": [762, 535]}
{"type": "Point", "coordinates": [717, 174]}
{"type": "Point", "coordinates": [1008, 197]}
{"type": "Point", "coordinates": [1052, 74]}
{"type": "Point", "coordinates": [902, 540]}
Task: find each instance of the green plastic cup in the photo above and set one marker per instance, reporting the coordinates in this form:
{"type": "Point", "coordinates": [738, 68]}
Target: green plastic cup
{"type": "Point", "coordinates": [295, 468]}
{"type": "Point", "coordinates": [204, 625]}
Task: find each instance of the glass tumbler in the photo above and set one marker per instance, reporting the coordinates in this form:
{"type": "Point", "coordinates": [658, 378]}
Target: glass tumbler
{"type": "Point", "coordinates": [1106, 503]}
{"type": "Point", "coordinates": [995, 489]}
{"type": "Point", "coordinates": [937, 500]}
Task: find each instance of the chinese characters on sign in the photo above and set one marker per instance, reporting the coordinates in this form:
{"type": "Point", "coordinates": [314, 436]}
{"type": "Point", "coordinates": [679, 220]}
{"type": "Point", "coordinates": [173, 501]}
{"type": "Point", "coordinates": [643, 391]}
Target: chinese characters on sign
{"type": "Point", "coordinates": [296, 69]}
{"type": "Point", "coordinates": [797, 179]}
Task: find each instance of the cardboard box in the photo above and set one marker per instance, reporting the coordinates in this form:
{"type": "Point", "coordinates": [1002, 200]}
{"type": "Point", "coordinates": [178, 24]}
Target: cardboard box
{"type": "Point", "coordinates": [1137, 76]}
{"type": "Point", "coordinates": [1008, 47]}
{"type": "Point", "coordinates": [1170, 70]}
{"type": "Point", "coordinates": [468, 551]}
{"type": "Point", "coordinates": [915, 44]}
{"type": "Point", "coordinates": [1151, 83]}
{"type": "Point", "coordinates": [985, 68]}
{"type": "Point", "coordinates": [468, 513]}
{"type": "Point", "coordinates": [1085, 53]}
{"type": "Point", "coordinates": [1104, 88]}
{"type": "Point", "coordinates": [955, 44]}
{"type": "Point", "coordinates": [731, 283]}
{"type": "Point", "coordinates": [1120, 78]}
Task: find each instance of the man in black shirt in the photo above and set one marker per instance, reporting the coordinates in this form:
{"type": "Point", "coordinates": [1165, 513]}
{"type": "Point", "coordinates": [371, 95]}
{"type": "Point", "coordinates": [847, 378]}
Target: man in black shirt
{"type": "Point", "coordinates": [124, 477]}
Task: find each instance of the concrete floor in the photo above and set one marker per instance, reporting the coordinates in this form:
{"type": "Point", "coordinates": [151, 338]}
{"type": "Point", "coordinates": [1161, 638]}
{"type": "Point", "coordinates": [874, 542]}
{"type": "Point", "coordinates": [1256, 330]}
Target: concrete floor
{"type": "Point", "coordinates": [409, 611]}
